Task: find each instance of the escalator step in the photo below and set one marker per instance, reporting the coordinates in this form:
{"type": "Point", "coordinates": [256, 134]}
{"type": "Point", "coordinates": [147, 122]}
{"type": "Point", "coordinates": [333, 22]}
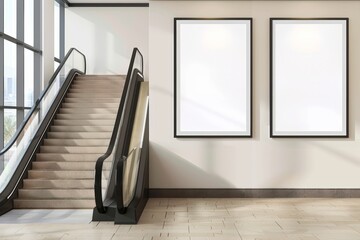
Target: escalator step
{"type": "Point", "coordinates": [92, 100]}
{"type": "Point", "coordinates": [76, 142]}
{"type": "Point", "coordinates": [67, 165]}
{"type": "Point", "coordinates": [71, 149]}
{"type": "Point", "coordinates": [54, 203]}
{"type": "Point", "coordinates": [86, 116]}
{"type": "Point", "coordinates": [80, 135]}
{"type": "Point", "coordinates": [56, 193]}
{"type": "Point", "coordinates": [82, 128]}
{"type": "Point", "coordinates": [89, 110]}
{"type": "Point", "coordinates": [39, 174]}
{"type": "Point", "coordinates": [93, 122]}
{"type": "Point", "coordinates": [63, 157]}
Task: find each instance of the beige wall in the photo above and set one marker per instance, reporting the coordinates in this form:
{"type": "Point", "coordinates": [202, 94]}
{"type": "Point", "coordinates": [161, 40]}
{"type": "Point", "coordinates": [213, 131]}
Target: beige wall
{"type": "Point", "coordinates": [260, 162]}
{"type": "Point", "coordinates": [107, 36]}
{"type": "Point", "coordinates": [47, 41]}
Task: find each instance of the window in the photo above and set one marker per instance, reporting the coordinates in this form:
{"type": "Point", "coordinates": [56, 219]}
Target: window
{"type": "Point", "coordinates": [9, 73]}
{"type": "Point", "coordinates": [20, 57]}
{"type": "Point", "coordinates": [10, 17]}
{"type": "Point", "coordinates": [59, 23]}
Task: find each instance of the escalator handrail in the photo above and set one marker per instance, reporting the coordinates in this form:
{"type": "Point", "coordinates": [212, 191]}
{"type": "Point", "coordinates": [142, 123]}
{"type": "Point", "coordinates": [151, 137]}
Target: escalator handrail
{"type": "Point", "coordinates": [37, 102]}
{"type": "Point", "coordinates": [99, 163]}
{"type": "Point", "coordinates": [123, 148]}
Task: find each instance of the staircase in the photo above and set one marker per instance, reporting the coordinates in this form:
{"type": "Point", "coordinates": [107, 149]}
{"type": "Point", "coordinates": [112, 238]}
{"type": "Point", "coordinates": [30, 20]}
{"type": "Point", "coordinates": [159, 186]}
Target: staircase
{"type": "Point", "coordinates": [63, 174]}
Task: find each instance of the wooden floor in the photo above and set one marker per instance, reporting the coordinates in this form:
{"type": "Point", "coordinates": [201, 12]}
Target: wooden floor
{"type": "Point", "coordinates": [223, 219]}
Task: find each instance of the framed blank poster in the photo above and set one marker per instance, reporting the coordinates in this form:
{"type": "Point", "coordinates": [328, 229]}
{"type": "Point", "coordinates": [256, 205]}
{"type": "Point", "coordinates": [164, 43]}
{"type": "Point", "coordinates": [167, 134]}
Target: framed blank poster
{"type": "Point", "coordinates": [309, 77]}
{"type": "Point", "coordinates": [212, 77]}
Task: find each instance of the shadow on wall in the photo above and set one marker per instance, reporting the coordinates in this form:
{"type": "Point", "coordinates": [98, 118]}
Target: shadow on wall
{"type": "Point", "coordinates": [282, 163]}
{"type": "Point", "coordinates": [245, 163]}
{"type": "Point", "coordinates": [107, 37]}
{"type": "Point", "coordinates": [169, 170]}
{"type": "Point", "coordinates": [100, 36]}
{"type": "Point", "coordinates": [341, 154]}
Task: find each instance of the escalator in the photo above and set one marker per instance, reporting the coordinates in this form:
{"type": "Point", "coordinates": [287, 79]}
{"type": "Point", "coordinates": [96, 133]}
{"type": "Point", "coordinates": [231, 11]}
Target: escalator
{"type": "Point", "coordinates": [122, 194]}
{"type": "Point", "coordinates": [53, 157]}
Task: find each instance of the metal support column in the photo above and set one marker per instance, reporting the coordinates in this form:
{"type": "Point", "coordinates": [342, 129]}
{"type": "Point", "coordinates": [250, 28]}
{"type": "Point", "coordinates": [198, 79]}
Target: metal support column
{"type": "Point", "coordinates": [1, 82]}
{"type": "Point", "coordinates": [37, 44]}
{"type": "Point", "coordinates": [62, 32]}
{"type": "Point", "coordinates": [20, 63]}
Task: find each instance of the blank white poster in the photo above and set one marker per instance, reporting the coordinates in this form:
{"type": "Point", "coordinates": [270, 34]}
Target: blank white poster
{"type": "Point", "coordinates": [309, 77]}
{"type": "Point", "coordinates": [213, 77]}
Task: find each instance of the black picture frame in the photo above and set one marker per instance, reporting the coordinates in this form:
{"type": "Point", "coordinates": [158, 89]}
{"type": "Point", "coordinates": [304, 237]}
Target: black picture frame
{"type": "Point", "coordinates": [345, 133]}
{"type": "Point", "coordinates": [176, 122]}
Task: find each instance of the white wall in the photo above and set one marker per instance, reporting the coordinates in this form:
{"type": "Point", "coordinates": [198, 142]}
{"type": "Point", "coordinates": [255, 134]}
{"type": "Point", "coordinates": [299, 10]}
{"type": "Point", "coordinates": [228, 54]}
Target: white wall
{"type": "Point", "coordinates": [107, 36]}
{"type": "Point", "coordinates": [260, 162]}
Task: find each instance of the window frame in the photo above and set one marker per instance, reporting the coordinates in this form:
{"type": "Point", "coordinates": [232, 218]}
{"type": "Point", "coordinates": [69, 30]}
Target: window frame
{"type": "Point", "coordinates": [19, 41]}
{"type": "Point", "coordinates": [62, 31]}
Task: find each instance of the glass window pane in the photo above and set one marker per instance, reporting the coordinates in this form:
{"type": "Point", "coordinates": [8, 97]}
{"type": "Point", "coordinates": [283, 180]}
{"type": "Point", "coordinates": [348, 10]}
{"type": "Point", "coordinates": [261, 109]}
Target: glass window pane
{"type": "Point", "coordinates": [9, 73]}
{"type": "Point", "coordinates": [26, 111]}
{"type": "Point", "coordinates": [9, 124]}
{"type": "Point", "coordinates": [10, 17]}
{"type": "Point", "coordinates": [56, 65]}
{"type": "Point", "coordinates": [57, 29]}
{"type": "Point", "coordinates": [29, 21]}
{"type": "Point", "coordinates": [29, 78]}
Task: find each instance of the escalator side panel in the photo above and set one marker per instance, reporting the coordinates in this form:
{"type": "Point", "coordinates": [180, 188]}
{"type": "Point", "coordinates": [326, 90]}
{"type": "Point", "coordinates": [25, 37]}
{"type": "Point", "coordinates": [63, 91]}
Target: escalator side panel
{"type": "Point", "coordinates": [137, 196]}
{"type": "Point", "coordinates": [141, 197]}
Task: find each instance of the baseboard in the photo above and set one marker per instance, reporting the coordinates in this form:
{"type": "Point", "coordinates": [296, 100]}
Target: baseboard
{"type": "Point", "coordinates": [253, 193]}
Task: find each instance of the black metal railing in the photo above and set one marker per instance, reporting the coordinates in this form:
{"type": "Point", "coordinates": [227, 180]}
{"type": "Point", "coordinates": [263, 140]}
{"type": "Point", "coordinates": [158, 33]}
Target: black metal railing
{"type": "Point", "coordinates": [18, 152]}
{"type": "Point", "coordinates": [103, 200]}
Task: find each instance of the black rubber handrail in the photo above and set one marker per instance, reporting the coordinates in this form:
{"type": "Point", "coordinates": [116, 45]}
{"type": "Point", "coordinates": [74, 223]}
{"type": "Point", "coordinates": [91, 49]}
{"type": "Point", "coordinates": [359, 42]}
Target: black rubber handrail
{"type": "Point", "coordinates": [122, 152]}
{"type": "Point", "coordinates": [35, 106]}
{"type": "Point", "coordinates": [99, 163]}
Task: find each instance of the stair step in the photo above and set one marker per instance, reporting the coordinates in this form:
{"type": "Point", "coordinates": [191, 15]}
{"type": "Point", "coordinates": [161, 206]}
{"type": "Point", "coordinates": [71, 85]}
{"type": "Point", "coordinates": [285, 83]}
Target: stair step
{"type": "Point", "coordinates": [85, 116]}
{"type": "Point", "coordinates": [63, 157]}
{"type": "Point", "coordinates": [97, 84]}
{"type": "Point", "coordinates": [54, 203]}
{"type": "Point", "coordinates": [94, 122]}
{"type": "Point", "coordinates": [102, 81]}
{"type": "Point", "coordinates": [93, 86]}
{"type": "Point", "coordinates": [90, 105]}
{"type": "Point", "coordinates": [76, 142]}
{"type": "Point", "coordinates": [70, 149]}
{"type": "Point", "coordinates": [56, 193]}
{"type": "Point", "coordinates": [89, 110]}
{"type": "Point", "coordinates": [73, 166]}
{"type": "Point", "coordinates": [97, 90]}
{"type": "Point", "coordinates": [82, 129]}
{"type": "Point", "coordinates": [62, 174]}
{"type": "Point", "coordinates": [79, 135]}
{"type": "Point", "coordinates": [116, 77]}
{"type": "Point", "coordinates": [59, 183]}
{"type": "Point", "coordinates": [93, 95]}
{"type": "Point", "coordinates": [93, 100]}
